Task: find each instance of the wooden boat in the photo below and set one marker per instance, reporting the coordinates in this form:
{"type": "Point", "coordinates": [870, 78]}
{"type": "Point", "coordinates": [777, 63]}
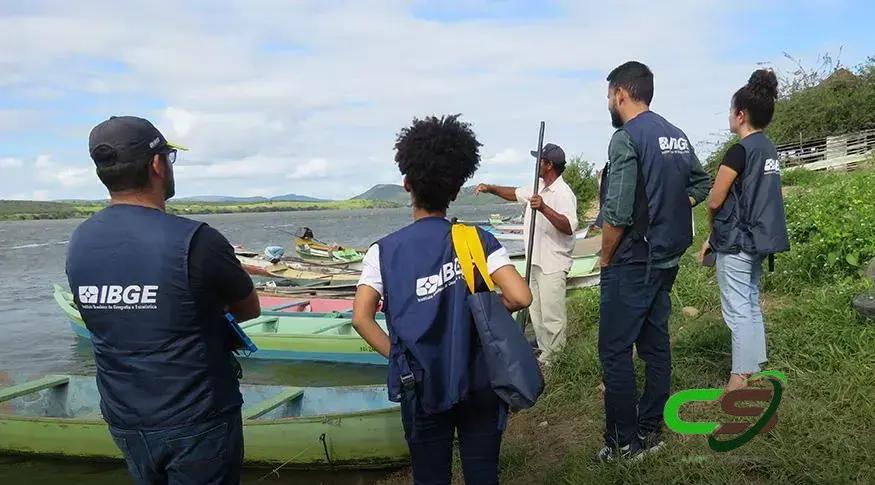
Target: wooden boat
{"type": "Point", "coordinates": [292, 304]}
{"type": "Point", "coordinates": [297, 274]}
{"type": "Point", "coordinates": [585, 270]}
{"type": "Point", "coordinates": [309, 248]}
{"type": "Point", "coordinates": [281, 335]}
{"type": "Point", "coordinates": [305, 292]}
{"type": "Point", "coordinates": [514, 232]}
{"type": "Point", "coordinates": [301, 427]}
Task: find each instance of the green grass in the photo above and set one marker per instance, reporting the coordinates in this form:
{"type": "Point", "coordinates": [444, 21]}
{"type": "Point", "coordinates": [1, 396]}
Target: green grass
{"type": "Point", "coordinates": [29, 210]}
{"type": "Point", "coordinates": [826, 424]}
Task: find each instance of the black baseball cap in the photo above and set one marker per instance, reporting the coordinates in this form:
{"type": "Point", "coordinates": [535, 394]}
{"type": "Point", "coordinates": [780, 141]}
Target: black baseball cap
{"type": "Point", "coordinates": [125, 139]}
{"type": "Point", "coordinates": [552, 153]}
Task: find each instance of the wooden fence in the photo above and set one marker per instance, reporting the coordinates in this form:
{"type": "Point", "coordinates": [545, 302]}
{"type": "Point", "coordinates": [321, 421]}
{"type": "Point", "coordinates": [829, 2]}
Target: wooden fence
{"type": "Point", "coordinates": [841, 152]}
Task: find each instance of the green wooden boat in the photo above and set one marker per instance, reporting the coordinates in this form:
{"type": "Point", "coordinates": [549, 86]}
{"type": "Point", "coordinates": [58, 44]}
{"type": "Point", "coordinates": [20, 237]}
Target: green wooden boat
{"type": "Point", "coordinates": [320, 337]}
{"type": "Point", "coordinates": [301, 427]}
{"type": "Point", "coordinates": [584, 271]}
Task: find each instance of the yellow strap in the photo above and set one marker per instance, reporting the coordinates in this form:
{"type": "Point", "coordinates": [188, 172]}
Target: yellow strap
{"type": "Point", "coordinates": [460, 244]}
{"type": "Point", "coordinates": [469, 250]}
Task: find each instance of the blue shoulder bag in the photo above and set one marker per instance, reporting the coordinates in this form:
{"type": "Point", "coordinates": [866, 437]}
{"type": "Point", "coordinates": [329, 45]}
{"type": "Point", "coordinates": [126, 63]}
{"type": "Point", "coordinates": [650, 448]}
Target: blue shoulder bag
{"type": "Point", "coordinates": [513, 369]}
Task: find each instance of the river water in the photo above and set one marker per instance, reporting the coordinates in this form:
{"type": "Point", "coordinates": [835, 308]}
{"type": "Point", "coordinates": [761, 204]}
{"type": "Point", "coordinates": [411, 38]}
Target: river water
{"type": "Point", "coordinates": [36, 339]}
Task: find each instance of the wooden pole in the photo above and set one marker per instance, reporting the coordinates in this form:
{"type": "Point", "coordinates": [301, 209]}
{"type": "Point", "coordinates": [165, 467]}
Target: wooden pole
{"type": "Point", "coordinates": [531, 245]}
{"type": "Point", "coordinates": [522, 316]}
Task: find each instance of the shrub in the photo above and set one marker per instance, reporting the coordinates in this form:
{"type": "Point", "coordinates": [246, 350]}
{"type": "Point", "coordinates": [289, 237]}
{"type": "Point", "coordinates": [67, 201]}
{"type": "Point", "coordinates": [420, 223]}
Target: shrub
{"type": "Point", "coordinates": [580, 176]}
{"type": "Point", "coordinates": [831, 228]}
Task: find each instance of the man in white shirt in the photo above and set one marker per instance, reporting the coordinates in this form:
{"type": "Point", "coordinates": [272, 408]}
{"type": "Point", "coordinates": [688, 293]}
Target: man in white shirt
{"type": "Point", "coordinates": [556, 207]}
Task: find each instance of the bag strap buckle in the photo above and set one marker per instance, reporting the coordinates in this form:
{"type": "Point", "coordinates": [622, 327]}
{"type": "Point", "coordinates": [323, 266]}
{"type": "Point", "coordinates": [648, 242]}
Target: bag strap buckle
{"type": "Point", "coordinates": [408, 381]}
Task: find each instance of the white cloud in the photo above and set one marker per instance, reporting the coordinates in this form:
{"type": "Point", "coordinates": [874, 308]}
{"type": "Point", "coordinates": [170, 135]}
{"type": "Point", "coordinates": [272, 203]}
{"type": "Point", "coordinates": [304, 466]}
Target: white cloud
{"type": "Point", "coordinates": [257, 101]}
{"type": "Point", "coordinates": [180, 121]}
{"type": "Point", "coordinates": [10, 162]}
{"type": "Point", "coordinates": [48, 170]}
{"type": "Point", "coordinates": [44, 162]}
{"type": "Point", "coordinates": [33, 195]}
{"type": "Point", "coordinates": [508, 156]}
{"type": "Point", "coordinates": [313, 168]}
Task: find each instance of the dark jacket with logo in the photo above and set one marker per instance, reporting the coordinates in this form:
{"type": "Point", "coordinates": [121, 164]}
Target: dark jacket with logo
{"type": "Point", "coordinates": [752, 217]}
{"type": "Point", "coordinates": [429, 321]}
{"type": "Point", "coordinates": [662, 225]}
{"type": "Point", "coordinates": [162, 360]}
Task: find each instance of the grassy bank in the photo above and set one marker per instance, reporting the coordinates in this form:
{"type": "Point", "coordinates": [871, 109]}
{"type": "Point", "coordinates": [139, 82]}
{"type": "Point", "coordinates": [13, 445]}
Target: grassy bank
{"type": "Point", "coordinates": [826, 425]}
{"type": "Point", "coordinates": [31, 210]}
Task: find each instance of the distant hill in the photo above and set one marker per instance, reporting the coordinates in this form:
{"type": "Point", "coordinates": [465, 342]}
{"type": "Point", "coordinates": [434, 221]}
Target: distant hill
{"type": "Point", "coordinates": [243, 200]}
{"type": "Point", "coordinates": [297, 198]}
{"type": "Point", "coordinates": [391, 192]}
{"type": "Point", "coordinates": [396, 193]}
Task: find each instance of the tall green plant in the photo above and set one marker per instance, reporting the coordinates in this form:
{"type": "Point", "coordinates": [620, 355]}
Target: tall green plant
{"type": "Point", "coordinates": [580, 176]}
{"type": "Point", "coordinates": [825, 101]}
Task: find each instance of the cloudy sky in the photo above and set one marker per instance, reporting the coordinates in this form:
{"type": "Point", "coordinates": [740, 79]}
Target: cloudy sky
{"type": "Point", "coordinates": [306, 97]}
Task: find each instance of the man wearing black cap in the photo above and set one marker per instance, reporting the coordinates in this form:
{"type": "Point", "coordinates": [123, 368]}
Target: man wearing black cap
{"type": "Point", "coordinates": [556, 205]}
{"type": "Point", "coordinates": [153, 290]}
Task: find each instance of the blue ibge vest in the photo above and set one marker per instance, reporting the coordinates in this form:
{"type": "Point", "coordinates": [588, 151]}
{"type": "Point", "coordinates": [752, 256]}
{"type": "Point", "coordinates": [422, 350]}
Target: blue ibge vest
{"type": "Point", "coordinates": [162, 359]}
{"type": "Point", "coordinates": [430, 324]}
{"type": "Point", "coordinates": [752, 217]}
{"type": "Point", "coordinates": [662, 216]}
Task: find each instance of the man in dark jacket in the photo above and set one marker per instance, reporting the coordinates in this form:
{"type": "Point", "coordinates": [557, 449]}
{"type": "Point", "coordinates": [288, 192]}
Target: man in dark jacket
{"type": "Point", "coordinates": [649, 186]}
{"type": "Point", "coordinates": [153, 290]}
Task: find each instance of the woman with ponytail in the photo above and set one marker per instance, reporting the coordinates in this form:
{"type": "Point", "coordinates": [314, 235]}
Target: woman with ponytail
{"type": "Point", "coordinates": [747, 222]}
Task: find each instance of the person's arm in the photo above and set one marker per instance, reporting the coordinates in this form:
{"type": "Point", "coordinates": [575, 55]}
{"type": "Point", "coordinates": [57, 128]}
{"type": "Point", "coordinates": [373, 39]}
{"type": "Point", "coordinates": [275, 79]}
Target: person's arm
{"type": "Point", "coordinates": [699, 184]}
{"type": "Point", "coordinates": [558, 220]}
{"type": "Point", "coordinates": [364, 311]}
{"type": "Point", "coordinates": [216, 274]}
{"type": "Point", "coordinates": [732, 165]}
{"type": "Point", "coordinates": [515, 293]}
{"type": "Point", "coordinates": [506, 193]}
{"type": "Point", "coordinates": [622, 179]}
{"type": "Point", "coordinates": [367, 298]}
{"type": "Point", "coordinates": [611, 237]}
{"type": "Point", "coordinates": [247, 308]}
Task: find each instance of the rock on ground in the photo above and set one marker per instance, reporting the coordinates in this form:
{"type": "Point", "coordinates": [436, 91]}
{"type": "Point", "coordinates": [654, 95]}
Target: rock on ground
{"type": "Point", "coordinates": [865, 304]}
{"type": "Point", "coordinates": [690, 312]}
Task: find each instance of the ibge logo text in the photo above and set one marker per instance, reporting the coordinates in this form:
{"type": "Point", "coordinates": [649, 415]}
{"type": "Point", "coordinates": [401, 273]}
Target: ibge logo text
{"type": "Point", "coordinates": [117, 297]}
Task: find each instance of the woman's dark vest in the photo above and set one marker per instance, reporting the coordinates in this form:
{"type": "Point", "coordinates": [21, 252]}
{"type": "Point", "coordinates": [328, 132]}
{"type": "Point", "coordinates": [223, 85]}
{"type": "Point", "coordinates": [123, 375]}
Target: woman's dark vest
{"type": "Point", "coordinates": [433, 337]}
{"type": "Point", "coordinates": [662, 225]}
{"type": "Point", "coordinates": [162, 361]}
{"type": "Point", "coordinates": [752, 217]}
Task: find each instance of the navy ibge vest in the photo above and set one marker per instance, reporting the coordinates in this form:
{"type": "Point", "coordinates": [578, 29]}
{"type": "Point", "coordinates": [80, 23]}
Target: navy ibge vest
{"type": "Point", "coordinates": [429, 322]}
{"type": "Point", "coordinates": [752, 217]}
{"type": "Point", "coordinates": [161, 360]}
{"type": "Point", "coordinates": [662, 224]}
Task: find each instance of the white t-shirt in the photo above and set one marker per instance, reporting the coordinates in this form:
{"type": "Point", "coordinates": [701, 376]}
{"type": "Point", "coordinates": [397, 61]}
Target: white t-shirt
{"type": "Point", "coordinates": [371, 266]}
{"type": "Point", "coordinates": [552, 249]}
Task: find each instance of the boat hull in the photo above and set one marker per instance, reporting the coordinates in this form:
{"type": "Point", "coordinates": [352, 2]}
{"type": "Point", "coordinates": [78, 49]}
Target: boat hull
{"type": "Point", "coordinates": [371, 441]}
{"type": "Point", "coordinates": [281, 335]}
{"type": "Point", "coordinates": [301, 348]}
{"type": "Point", "coordinates": [60, 417]}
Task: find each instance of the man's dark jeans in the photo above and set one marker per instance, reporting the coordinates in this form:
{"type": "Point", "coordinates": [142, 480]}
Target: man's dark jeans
{"type": "Point", "coordinates": [635, 308]}
{"type": "Point", "coordinates": [480, 424]}
{"type": "Point", "coordinates": [210, 452]}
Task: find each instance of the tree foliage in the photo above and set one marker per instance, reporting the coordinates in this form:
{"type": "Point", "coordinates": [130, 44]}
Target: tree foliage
{"type": "Point", "coordinates": [580, 176]}
{"type": "Point", "coordinates": [824, 100]}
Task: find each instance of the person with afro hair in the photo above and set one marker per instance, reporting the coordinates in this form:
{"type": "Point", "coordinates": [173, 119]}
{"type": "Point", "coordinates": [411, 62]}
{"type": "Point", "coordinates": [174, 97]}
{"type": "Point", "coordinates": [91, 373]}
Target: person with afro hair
{"type": "Point", "coordinates": [436, 367]}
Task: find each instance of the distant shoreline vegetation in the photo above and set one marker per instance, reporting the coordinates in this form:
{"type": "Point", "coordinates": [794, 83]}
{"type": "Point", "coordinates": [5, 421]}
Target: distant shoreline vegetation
{"type": "Point", "coordinates": [385, 196]}
{"type": "Point", "coordinates": [25, 210]}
